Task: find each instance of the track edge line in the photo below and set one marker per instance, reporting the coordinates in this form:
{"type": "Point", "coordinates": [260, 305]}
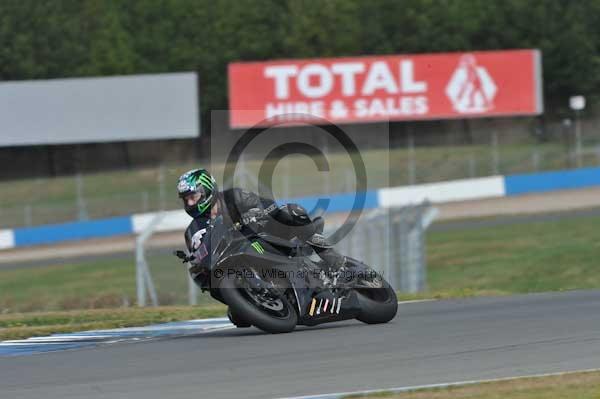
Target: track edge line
{"type": "Point", "coordinates": [340, 395]}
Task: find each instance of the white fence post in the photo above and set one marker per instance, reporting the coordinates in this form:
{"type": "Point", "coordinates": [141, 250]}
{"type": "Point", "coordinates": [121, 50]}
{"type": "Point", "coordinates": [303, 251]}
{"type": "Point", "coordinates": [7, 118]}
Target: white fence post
{"type": "Point", "coordinates": [142, 271]}
{"type": "Point", "coordinates": [192, 290]}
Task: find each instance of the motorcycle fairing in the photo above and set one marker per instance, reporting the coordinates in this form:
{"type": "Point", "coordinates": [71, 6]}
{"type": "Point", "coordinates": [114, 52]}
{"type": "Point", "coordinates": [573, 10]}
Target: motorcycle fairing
{"type": "Point", "coordinates": [299, 272]}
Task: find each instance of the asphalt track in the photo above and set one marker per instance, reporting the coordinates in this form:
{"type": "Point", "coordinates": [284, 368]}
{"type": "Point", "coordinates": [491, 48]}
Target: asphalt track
{"type": "Point", "coordinates": [428, 343]}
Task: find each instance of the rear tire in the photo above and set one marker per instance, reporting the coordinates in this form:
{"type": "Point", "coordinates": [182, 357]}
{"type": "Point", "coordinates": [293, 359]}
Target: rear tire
{"type": "Point", "coordinates": [378, 305]}
{"type": "Point", "coordinates": [241, 305]}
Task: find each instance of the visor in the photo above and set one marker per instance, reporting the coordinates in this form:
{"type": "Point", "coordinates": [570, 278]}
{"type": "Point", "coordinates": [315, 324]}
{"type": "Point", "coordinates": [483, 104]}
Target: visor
{"type": "Point", "coordinates": [199, 190]}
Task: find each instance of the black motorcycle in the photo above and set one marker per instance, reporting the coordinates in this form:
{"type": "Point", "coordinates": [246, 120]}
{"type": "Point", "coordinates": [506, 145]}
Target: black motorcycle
{"type": "Point", "coordinates": [287, 285]}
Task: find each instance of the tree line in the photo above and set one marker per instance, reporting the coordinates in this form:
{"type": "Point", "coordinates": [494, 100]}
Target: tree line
{"type": "Point", "coordinates": [68, 38]}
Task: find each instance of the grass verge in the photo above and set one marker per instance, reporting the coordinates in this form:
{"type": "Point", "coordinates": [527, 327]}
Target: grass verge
{"type": "Point", "coordinates": [103, 282]}
{"type": "Point", "coordinates": [24, 325]}
{"type": "Point", "coordinates": [544, 256]}
{"type": "Point", "coordinates": [555, 255]}
{"type": "Point", "coordinates": [583, 385]}
{"type": "Point", "coordinates": [499, 260]}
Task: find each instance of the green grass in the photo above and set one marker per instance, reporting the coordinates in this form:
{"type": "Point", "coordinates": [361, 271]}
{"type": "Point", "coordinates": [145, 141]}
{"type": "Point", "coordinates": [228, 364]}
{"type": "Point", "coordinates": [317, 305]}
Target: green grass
{"type": "Point", "coordinates": [518, 258]}
{"type": "Point", "coordinates": [101, 283]}
{"type": "Point", "coordinates": [500, 260]}
{"type": "Point", "coordinates": [506, 259]}
{"type": "Point", "coordinates": [584, 385]}
{"type": "Point", "coordinates": [95, 294]}
{"type": "Point", "coordinates": [24, 325]}
{"type": "Point", "coordinates": [126, 192]}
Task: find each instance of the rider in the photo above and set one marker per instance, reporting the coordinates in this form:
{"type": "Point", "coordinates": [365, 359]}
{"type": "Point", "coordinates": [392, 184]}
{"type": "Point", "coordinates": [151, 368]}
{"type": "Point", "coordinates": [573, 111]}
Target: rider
{"type": "Point", "coordinates": [203, 202]}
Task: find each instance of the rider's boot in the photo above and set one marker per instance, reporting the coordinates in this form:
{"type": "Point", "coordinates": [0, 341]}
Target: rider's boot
{"type": "Point", "coordinates": [334, 259]}
{"type": "Point", "coordinates": [325, 250]}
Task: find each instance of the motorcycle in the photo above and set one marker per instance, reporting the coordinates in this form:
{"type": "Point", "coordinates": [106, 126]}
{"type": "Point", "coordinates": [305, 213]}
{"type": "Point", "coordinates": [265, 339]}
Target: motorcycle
{"type": "Point", "coordinates": [288, 285]}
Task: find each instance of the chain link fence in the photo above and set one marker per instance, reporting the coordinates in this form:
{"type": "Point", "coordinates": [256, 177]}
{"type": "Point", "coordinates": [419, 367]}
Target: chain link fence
{"type": "Point", "coordinates": [101, 195]}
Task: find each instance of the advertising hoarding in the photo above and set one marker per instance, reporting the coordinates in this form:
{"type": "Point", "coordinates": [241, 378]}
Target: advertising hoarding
{"type": "Point", "coordinates": [381, 88]}
{"type": "Point", "coordinates": [92, 110]}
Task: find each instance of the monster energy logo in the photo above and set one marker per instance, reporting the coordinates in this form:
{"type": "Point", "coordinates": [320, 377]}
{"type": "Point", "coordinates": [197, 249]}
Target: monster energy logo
{"type": "Point", "coordinates": [206, 181]}
{"type": "Point", "coordinates": [256, 245]}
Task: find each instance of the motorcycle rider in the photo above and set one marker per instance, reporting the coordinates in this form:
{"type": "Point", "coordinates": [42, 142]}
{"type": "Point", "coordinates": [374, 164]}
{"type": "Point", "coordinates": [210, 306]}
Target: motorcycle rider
{"type": "Point", "coordinates": [203, 202]}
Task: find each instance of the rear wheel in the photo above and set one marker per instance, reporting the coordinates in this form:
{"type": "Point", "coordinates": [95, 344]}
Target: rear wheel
{"type": "Point", "coordinates": [267, 309]}
{"type": "Point", "coordinates": [377, 299]}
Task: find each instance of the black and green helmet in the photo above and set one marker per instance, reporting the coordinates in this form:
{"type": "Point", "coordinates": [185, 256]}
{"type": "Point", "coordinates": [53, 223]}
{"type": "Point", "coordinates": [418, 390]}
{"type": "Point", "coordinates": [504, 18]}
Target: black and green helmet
{"type": "Point", "coordinates": [197, 181]}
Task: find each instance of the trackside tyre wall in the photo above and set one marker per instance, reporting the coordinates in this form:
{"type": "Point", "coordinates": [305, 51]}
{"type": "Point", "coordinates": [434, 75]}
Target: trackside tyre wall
{"type": "Point", "coordinates": [257, 317]}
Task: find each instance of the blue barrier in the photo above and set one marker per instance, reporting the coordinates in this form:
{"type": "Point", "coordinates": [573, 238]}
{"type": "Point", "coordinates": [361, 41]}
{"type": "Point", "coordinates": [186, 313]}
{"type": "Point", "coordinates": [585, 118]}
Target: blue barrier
{"type": "Point", "coordinates": [513, 184]}
{"type": "Point", "coordinates": [552, 181]}
{"type": "Point", "coordinates": [48, 234]}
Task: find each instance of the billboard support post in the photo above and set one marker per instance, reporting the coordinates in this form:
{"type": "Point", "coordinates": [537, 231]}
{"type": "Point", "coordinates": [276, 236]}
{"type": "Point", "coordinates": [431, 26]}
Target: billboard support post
{"type": "Point", "coordinates": [472, 167]}
{"type": "Point", "coordinates": [578, 139]}
{"type": "Point", "coordinates": [161, 187]}
{"type": "Point", "coordinates": [145, 201]}
{"type": "Point", "coordinates": [82, 213]}
{"type": "Point", "coordinates": [577, 104]}
{"type": "Point", "coordinates": [412, 168]}
{"type": "Point", "coordinates": [495, 153]}
{"type": "Point", "coordinates": [535, 159]}
{"type": "Point", "coordinates": [28, 213]}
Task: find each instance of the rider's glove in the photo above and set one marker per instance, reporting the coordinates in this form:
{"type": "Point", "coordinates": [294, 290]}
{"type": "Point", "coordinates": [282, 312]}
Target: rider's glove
{"type": "Point", "coordinates": [254, 217]}
{"type": "Point", "coordinates": [183, 256]}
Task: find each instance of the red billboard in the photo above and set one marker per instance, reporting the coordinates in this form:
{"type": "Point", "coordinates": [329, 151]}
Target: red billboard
{"type": "Point", "coordinates": [381, 88]}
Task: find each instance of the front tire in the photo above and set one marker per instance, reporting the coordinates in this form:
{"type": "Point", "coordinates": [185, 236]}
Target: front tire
{"type": "Point", "coordinates": [243, 304]}
{"type": "Point", "coordinates": [236, 320]}
{"type": "Point", "coordinates": [379, 303]}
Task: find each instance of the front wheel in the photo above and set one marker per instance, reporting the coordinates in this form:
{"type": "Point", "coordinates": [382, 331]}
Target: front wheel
{"type": "Point", "coordinates": [377, 299]}
{"type": "Point", "coordinates": [261, 308]}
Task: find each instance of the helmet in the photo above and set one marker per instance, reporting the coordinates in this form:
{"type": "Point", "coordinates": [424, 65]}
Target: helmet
{"type": "Point", "coordinates": [200, 183]}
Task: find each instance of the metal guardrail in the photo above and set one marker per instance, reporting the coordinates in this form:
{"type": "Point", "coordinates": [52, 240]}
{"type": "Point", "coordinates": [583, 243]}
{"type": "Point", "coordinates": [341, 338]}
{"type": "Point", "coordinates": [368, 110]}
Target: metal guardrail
{"type": "Point", "coordinates": [144, 283]}
{"type": "Point", "coordinates": [167, 281]}
{"type": "Point", "coordinates": [392, 241]}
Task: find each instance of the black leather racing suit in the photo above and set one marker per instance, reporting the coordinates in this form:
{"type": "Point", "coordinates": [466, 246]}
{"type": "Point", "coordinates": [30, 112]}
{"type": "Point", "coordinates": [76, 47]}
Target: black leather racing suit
{"type": "Point", "coordinates": [237, 205]}
{"type": "Point", "coordinates": [286, 221]}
